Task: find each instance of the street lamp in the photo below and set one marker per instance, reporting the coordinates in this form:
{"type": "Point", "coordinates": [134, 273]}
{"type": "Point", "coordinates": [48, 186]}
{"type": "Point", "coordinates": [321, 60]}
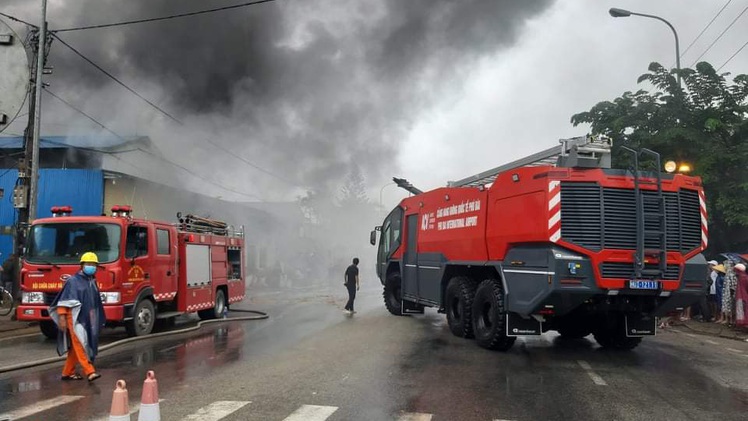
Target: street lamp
{"type": "Point", "coordinates": [622, 13]}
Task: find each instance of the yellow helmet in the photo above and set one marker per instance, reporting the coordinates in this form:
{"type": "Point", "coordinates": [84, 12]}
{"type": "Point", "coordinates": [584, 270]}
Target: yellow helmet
{"type": "Point", "coordinates": [89, 257]}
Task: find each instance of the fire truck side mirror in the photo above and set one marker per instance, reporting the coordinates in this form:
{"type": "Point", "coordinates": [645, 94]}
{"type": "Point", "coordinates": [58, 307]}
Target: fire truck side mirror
{"type": "Point", "coordinates": [373, 238]}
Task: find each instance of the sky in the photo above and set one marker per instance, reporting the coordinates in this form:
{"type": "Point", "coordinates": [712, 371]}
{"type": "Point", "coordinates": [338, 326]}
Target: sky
{"type": "Point", "coordinates": [429, 90]}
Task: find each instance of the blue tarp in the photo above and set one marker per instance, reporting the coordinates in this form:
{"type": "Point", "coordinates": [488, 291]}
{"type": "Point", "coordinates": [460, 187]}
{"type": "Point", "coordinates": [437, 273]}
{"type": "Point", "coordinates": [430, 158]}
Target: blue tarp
{"type": "Point", "coordinates": [81, 189]}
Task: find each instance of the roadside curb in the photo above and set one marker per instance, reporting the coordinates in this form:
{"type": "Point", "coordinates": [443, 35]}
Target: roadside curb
{"type": "Point", "coordinates": [722, 333]}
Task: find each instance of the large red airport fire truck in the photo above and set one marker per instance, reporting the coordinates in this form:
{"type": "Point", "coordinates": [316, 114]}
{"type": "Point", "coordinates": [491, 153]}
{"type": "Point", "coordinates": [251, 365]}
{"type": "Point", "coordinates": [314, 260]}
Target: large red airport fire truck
{"type": "Point", "coordinates": [554, 241]}
{"type": "Point", "coordinates": [148, 270]}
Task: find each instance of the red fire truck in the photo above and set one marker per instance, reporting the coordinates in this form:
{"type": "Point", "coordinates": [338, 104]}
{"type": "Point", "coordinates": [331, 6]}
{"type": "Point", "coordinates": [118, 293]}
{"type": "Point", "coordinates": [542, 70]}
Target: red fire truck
{"type": "Point", "coordinates": [148, 270]}
{"type": "Point", "coordinates": [554, 241]}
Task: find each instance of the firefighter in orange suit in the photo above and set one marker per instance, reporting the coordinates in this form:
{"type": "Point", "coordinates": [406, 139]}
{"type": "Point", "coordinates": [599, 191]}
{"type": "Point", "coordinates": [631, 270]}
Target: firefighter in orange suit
{"type": "Point", "coordinates": [79, 314]}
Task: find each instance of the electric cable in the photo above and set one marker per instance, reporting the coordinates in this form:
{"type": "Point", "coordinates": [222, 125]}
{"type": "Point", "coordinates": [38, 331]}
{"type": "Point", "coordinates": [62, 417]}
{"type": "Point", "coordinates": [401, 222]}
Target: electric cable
{"type": "Point", "coordinates": [176, 120]}
{"type": "Point", "coordinates": [13, 18]}
{"type": "Point", "coordinates": [720, 36]}
{"type": "Point", "coordinates": [732, 56]}
{"type": "Point", "coordinates": [161, 158]}
{"type": "Point", "coordinates": [83, 113]}
{"type": "Point", "coordinates": [705, 28]}
{"type": "Point", "coordinates": [114, 78]}
{"type": "Point", "coordinates": [181, 15]}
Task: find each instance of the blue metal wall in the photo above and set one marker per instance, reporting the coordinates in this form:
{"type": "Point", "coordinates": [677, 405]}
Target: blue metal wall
{"type": "Point", "coordinates": [81, 189]}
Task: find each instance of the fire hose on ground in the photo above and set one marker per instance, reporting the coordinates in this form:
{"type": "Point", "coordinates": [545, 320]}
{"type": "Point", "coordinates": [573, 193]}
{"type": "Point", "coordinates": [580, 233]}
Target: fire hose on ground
{"type": "Point", "coordinates": [259, 316]}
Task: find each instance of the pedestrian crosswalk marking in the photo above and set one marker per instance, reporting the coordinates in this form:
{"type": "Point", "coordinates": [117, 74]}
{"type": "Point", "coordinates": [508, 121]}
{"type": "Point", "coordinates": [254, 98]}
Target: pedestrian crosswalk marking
{"type": "Point", "coordinates": [414, 416]}
{"type": "Point", "coordinates": [312, 413]}
{"type": "Point", "coordinates": [216, 410]}
{"type": "Point", "coordinates": [42, 406]}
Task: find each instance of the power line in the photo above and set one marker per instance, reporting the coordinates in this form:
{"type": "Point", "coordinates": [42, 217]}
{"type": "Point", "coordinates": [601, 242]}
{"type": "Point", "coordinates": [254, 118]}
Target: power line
{"type": "Point", "coordinates": [705, 28]}
{"type": "Point", "coordinates": [720, 36]}
{"type": "Point", "coordinates": [182, 15]}
{"type": "Point", "coordinates": [111, 76]}
{"type": "Point", "coordinates": [217, 145]}
{"type": "Point", "coordinates": [83, 113]}
{"type": "Point", "coordinates": [161, 158]}
{"type": "Point", "coordinates": [733, 56]}
{"type": "Point", "coordinates": [13, 18]}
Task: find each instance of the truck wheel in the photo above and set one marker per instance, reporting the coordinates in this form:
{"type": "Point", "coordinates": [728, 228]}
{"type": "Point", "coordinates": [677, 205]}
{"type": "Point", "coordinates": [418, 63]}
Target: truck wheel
{"type": "Point", "coordinates": [574, 330]}
{"type": "Point", "coordinates": [48, 329]}
{"type": "Point", "coordinates": [143, 318]}
{"type": "Point", "coordinates": [217, 311]}
{"type": "Point", "coordinates": [392, 298]}
{"type": "Point", "coordinates": [489, 317]}
{"type": "Point", "coordinates": [613, 336]}
{"type": "Point", "coordinates": [458, 305]}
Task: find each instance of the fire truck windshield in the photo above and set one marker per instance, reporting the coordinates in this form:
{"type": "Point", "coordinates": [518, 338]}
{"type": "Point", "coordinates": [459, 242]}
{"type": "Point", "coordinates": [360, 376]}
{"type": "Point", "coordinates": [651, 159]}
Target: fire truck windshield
{"type": "Point", "coordinates": [64, 243]}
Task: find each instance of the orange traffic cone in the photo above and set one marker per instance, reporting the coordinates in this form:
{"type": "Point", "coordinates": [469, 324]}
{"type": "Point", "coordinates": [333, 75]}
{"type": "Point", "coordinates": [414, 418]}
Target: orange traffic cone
{"type": "Point", "coordinates": [120, 407]}
{"type": "Point", "coordinates": [149, 410]}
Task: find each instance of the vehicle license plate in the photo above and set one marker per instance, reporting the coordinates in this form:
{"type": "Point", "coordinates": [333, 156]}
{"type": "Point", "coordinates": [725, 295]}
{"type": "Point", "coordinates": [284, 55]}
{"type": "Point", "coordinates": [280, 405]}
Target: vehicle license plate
{"type": "Point", "coordinates": [644, 284]}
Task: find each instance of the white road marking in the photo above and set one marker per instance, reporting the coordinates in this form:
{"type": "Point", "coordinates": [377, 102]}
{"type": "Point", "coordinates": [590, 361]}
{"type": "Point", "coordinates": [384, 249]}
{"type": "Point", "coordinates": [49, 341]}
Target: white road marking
{"type": "Point", "coordinates": [709, 341]}
{"type": "Point", "coordinates": [312, 413]}
{"type": "Point", "coordinates": [216, 410]}
{"type": "Point", "coordinates": [42, 406]}
{"type": "Point", "coordinates": [690, 335]}
{"type": "Point", "coordinates": [414, 416]}
{"type": "Point", "coordinates": [734, 350]}
{"type": "Point", "coordinates": [134, 408]}
{"type": "Point", "coordinates": [594, 376]}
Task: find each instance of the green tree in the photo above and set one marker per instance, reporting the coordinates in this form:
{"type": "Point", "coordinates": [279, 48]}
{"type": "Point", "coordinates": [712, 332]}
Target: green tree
{"type": "Point", "coordinates": [704, 124]}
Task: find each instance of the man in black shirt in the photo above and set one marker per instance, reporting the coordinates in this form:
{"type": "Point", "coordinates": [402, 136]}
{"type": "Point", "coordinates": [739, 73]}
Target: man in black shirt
{"type": "Point", "coordinates": [351, 282]}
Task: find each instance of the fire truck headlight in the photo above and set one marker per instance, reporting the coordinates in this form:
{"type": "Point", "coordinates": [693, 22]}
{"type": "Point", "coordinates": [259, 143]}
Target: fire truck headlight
{"type": "Point", "coordinates": [32, 298]}
{"type": "Point", "coordinates": [110, 297]}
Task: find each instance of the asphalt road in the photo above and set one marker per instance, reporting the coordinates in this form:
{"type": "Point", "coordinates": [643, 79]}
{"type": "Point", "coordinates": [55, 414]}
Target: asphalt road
{"type": "Point", "coordinates": [310, 361]}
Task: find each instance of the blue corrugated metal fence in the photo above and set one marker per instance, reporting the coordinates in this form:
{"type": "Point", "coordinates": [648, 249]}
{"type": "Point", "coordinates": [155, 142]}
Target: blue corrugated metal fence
{"type": "Point", "coordinates": [81, 189]}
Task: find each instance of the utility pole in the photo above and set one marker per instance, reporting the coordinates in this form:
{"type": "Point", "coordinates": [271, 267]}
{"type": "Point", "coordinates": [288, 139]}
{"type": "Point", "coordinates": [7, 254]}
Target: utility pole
{"type": "Point", "coordinates": [26, 192]}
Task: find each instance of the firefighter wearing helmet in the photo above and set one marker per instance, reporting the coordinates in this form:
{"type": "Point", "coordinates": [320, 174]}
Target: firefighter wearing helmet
{"type": "Point", "coordinates": [79, 315]}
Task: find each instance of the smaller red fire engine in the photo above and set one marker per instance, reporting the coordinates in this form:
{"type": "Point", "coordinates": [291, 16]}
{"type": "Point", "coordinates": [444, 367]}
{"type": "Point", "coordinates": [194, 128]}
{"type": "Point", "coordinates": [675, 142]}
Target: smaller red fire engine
{"type": "Point", "coordinates": [148, 270]}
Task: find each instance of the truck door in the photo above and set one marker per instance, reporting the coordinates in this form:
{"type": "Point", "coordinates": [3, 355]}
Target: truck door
{"type": "Point", "coordinates": [138, 255]}
{"type": "Point", "coordinates": [163, 271]}
{"type": "Point", "coordinates": [410, 259]}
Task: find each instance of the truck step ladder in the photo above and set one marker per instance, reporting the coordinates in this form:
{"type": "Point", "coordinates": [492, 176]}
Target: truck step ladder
{"type": "Point", "coordinates": [582, 151]}
{"type": "Point", "coordinates": [651, 223]}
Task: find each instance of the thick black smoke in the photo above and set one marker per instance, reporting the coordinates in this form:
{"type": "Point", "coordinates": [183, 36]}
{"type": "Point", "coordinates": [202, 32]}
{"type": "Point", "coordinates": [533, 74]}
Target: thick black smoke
{"type": "Point", "coordinates": [302, 87]}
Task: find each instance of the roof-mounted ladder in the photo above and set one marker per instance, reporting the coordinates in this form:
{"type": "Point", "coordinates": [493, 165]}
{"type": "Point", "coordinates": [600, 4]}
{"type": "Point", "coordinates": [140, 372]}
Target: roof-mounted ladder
{"type": "Point", "coordinates": [580, 152]}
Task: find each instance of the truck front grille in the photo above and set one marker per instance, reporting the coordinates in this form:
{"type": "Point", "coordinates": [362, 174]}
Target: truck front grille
{"type": "Point", "coordinates": [626, 270]}
{"type": "Point", "coordinates": [599, 218]}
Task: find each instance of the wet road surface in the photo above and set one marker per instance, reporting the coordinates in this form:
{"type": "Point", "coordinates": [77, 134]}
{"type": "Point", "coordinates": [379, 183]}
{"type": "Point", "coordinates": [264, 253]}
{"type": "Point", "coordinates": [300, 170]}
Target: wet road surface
{"type": "Point", "coordinates": [310, 361]}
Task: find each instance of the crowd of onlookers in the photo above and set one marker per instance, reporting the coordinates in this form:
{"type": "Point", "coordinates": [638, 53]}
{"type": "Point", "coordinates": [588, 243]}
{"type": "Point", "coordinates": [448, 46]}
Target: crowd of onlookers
{"type": "Point", "coordinates": [726, 301]}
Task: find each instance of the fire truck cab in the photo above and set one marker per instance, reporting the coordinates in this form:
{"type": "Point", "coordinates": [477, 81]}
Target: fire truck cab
{"type": "Point", "coordinates": [148, 270]}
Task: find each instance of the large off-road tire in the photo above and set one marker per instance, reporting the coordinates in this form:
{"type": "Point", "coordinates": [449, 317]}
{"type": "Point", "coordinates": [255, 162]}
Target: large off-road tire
{"type": "Point", "coordinates": [574, 329]}
{"type": "Point", "coordinates": [489, 317]}
{"type": "Point", "coordinates": [612, 335]}
{"type": "Point", "coordinates": [458, 304]}
{"type": "Point", "coordinates": [218, 307]}
{"type": "Point", "coordinates": [392, 294]}
{"type": "Point", "coordinates": [143, 318]}
{"type": "Point", "coordinates": [48, 329]}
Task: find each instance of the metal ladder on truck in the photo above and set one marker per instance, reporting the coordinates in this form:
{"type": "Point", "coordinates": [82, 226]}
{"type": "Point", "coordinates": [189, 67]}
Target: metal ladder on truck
{"type": "Point", "coordinates": [579, 152]}
{"type": "Point", "coordinates": [651, 223]}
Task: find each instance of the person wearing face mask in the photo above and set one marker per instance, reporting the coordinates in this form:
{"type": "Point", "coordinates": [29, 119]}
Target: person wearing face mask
{"type": "Point", "coordinates": [79, 315]}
